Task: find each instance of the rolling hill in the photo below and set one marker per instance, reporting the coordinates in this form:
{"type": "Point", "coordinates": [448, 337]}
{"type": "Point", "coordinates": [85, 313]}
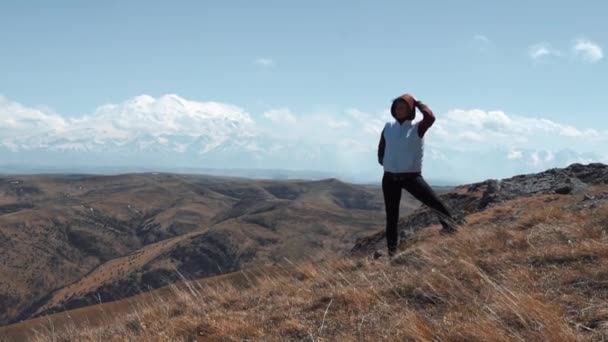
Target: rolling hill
{"type": "Point", "coordinates": [74, 240]}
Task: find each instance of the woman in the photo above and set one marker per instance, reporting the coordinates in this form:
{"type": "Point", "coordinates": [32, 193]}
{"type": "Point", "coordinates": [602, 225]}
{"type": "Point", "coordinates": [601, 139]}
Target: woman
{"type": "Point", "coordinates": [400, 152]}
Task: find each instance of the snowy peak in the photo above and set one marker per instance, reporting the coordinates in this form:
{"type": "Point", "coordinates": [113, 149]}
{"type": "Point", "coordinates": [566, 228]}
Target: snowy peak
{"type": "Point", "coordinates": [142, 121]}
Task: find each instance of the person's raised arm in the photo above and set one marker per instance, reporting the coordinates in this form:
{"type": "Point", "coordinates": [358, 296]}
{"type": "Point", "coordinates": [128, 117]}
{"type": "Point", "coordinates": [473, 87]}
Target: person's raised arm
{"type": "Point", "coordinates": [427, 118]}
{"type": "Point", "coordinates": [381, 146]}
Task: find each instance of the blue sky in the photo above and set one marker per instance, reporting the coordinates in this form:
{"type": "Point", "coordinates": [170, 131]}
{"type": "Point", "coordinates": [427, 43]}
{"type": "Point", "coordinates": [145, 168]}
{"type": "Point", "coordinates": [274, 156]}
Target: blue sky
{"type": "Point", "coordinates": [531, 61]}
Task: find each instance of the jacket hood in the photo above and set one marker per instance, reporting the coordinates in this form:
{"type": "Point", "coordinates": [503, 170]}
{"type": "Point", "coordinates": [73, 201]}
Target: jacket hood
{"type": "Point", "coordinates": [409, 99]}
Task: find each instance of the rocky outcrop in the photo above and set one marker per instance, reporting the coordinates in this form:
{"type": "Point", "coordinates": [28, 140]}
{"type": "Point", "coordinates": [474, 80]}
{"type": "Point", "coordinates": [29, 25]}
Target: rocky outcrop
{"type": "Point", "coordinates": [470, 198]}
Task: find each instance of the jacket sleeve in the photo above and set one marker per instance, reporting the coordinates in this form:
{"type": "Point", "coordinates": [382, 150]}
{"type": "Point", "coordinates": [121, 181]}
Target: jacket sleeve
{"type": "Point", "coordinates": [381, 146]}
{"type": "Point", "coordinates": [427, 118]}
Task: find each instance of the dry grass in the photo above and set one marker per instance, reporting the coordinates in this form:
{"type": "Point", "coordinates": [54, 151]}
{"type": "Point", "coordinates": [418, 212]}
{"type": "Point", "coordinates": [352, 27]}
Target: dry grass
{"type": "Point", "coordinates": [542, 277]}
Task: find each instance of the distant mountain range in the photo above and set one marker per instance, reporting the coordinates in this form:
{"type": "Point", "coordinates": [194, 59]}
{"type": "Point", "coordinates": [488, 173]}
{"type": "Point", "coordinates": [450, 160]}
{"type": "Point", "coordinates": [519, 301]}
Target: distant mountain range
{"type": "Point", "coordinates": [172, 134]}
{"type": "Point", "coordinates": [167, 133]}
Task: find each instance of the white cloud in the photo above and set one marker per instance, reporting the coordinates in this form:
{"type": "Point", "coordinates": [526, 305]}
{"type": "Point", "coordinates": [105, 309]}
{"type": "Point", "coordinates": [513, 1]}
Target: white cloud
{"type": "Point", "coordinates": [541, 157]}
{"type": "Point", "coordinates": [436, 153]}
{"type": "Point", "coordinates": [333, 123]}
{"type": "Point", "coordinates": [280, 115]}
{"type": "Point", "coordinates": [347, 139]}
{"type": "Point", "coordinates": [472, 136]}
{"type": "Point", "coordinates": [587, 50]}
{"type": "Point", "coordinates": [514, 154]}
{"type": "Point", "coordinates": [481, 43]}
{"type": "Point", "coordinates": [498, 123]}
{"type": "Point", "coordinates": [180, 148]}
{"type": "Point", "coordinates": [264, 62]}
{"type": "Point", "coordinates": [481, 38]}
{"type": "Point", "coordinates": [535, 158]}
{"type": "Point", "coordinates": [542, 50]}
{"type": "Point", "coordinates": [475, 131]}
{"type": "Point", "coordinates": [19, 119]}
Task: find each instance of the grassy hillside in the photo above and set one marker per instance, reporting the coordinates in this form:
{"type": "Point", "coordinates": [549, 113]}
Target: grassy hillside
{"type": "Point", "coordinates": [69, 241]}
{"type": "Point", "coordinates": [530, 268]}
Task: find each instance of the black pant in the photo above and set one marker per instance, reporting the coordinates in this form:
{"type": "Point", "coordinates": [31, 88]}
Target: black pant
{"type": "Point", "coordinates": [418, 187]}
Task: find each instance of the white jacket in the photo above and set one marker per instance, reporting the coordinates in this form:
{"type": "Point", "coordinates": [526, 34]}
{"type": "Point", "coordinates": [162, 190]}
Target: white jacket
{"type": "Point", "coordinates": [403, 148]}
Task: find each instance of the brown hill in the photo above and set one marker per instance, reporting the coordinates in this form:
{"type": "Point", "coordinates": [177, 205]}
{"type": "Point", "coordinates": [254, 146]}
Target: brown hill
{"type": "Point", "coordinates": [74, 240]}
{"type": "Point", "coordinates": [529, 265]}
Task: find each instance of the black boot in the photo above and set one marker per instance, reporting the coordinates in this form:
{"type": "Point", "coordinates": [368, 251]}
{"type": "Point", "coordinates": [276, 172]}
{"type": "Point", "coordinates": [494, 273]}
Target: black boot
{"type": "Point", "coordinates": [447, 229]}
{"type": "Point", "coordinates": [392, 251]}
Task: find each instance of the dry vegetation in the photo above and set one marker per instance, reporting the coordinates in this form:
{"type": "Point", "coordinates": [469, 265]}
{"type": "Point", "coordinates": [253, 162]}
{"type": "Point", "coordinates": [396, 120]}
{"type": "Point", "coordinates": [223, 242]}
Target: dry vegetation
{"type": "Point", "coordinates": [526, 270]}
{"type": "Point", "coordinates": [68, 241]}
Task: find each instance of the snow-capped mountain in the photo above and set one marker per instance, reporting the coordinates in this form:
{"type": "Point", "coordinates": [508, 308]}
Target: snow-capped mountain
{"type": "Point", "coordinates": [170, 132]}
{"type": "Point", "coordinates": [169, 123]}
